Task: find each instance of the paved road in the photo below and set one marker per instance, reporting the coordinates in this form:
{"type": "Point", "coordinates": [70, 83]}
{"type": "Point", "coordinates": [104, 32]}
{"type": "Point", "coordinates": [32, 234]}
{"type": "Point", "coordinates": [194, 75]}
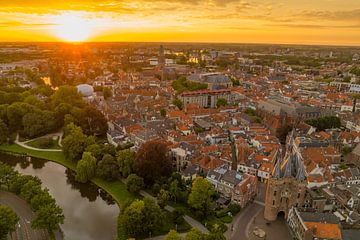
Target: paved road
{"type": "Point", "coordinates": [23, 230]}
{"type": "Point", "coordinates": [192, 222]}
{"type": "Point", "coordinates": [242, 221]}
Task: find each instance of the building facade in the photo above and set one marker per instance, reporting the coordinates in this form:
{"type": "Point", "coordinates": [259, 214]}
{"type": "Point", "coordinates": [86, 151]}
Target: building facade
{"type": "Point", "coordinates": [205, 98]}
{"type": "Point", "coordinates": [286, 186]}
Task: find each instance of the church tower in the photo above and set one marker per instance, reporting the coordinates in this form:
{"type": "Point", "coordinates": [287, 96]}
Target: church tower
{"type": "Point", "coordinates": [287, 184]}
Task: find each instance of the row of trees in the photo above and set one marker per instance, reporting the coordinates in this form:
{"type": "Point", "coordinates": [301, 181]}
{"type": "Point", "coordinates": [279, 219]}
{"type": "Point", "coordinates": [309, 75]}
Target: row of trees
{"type": "Point", "coordinates": [195, 234]}
{"type": "Point", "coordinates": [324, 123]}
{"type": "Point", "coordinates": [33, 114]}
{"type": "Point", "coordinates": [48, 214]}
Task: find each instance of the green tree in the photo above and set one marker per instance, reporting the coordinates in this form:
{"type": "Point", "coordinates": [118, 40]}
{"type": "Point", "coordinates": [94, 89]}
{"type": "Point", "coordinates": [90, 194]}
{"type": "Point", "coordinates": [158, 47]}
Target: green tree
{"type": "Point", "coordinates": [41, 199]}
{"type": "Point", "coordinates": [163, 112]}
{"type": "Point", "coordinates": [108, 168]}
{"type": "Point", "coordinates": [126, 160]}
{"type": "Point", "coordinates": [75, 142]}
{"type": "Point", "coordinates": [153, 162]}
{"type": "Point", "coordinates": [93, 122]}
{"type": "Point", "coordinates": [346, 150]}
{"type": "Point", "coordinates": [174, 190]}
{"type": "Point", "coordinates": [8, 221]}
{"type": "Point", "coordinates": [69, 95]}
{"type": "Point", "coordinates": [200, 196]}
{"type": "Point", "coordinates": [221, 102]}
{"type": "Point", "coordinates": [173, 235]}
{"type": "Point", "coordinates": [134, 183]}
{"type": "Point", "coordinates": [30, 189]}
{"type": "Point", "coordinates": [195, 234]}
{"type": "Point", "coordinates": [4, 132]}
{"type": "Point", "coordinates": [38, 123]}
{"type": "Point", "coordinates": [48, 217]}
{"type": "Point", "coordinates": [139, 219]}
{"type": "Point", "coordinates": [85, 168]}
{"type": "Point", "coordinates": [178, 103]}
{"type": "Point", "coordinates": [163, 198]}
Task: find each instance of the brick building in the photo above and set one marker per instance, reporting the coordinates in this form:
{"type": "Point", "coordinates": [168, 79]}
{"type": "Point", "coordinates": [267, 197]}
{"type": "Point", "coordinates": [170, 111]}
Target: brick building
{"type": "Point", "coordinates": [286, 187]}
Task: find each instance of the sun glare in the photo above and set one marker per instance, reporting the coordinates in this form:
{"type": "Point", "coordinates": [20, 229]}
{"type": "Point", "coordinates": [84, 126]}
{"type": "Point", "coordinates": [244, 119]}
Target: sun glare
{"type": "Point", "coordinates": [73, 28]}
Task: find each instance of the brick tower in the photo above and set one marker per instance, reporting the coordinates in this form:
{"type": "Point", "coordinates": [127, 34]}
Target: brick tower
{"type": "Point", "coordinates": [287, 184]}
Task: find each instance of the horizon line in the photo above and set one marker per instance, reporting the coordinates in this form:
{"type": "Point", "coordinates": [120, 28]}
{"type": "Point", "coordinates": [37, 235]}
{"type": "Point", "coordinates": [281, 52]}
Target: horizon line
{"type": "Point", "coordinates": [185, 42]}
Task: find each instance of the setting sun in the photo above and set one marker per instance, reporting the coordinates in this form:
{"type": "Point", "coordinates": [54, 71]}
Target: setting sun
{"type": "Point", "coordinates": [73, 28]}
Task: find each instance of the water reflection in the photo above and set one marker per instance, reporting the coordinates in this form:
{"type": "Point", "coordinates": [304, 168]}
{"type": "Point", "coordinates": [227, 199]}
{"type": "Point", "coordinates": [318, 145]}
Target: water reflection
{"type": "Point", "coordinates": [90, 213]}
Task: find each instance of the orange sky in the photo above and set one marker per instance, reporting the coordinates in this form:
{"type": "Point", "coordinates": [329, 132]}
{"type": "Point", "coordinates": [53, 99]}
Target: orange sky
{"type": "Point", "coordinates": [253, 21]}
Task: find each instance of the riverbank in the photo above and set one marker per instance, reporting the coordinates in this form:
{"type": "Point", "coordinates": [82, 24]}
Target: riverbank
{"type": "Point", "coordinates": [116, 189]}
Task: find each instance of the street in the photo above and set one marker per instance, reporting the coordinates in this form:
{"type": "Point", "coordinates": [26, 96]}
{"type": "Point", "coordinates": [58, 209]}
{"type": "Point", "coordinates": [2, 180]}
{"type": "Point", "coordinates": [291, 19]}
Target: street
{"type": "Point", "coordinates": [23, 230]}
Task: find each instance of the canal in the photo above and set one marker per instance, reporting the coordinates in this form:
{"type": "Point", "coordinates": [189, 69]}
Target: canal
{"type": "Point", "coordinates": [90, 213]}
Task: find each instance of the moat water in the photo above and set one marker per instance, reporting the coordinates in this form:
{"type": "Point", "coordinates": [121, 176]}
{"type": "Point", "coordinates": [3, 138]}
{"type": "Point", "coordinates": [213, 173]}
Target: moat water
{"type": "Point", "coordinates": [90, 213]}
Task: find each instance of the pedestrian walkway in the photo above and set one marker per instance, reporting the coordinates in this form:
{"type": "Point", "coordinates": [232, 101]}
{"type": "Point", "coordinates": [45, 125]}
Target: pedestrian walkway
{"type": "Point", "coordinates": [191, 221]}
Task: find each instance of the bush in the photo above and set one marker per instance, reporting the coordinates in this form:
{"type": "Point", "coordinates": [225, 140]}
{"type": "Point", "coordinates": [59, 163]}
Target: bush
{"type": "Point", "coordinates": [222, 213]}
{"type": "Point", "coordinates": [226, 219]}
{"type": "Point", "coordinates": [234, 208]}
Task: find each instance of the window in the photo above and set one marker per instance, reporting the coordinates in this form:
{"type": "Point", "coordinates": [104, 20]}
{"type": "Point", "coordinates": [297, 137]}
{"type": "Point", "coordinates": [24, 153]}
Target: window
{"type": "Point", "coordinates": [273, 202]}
{"type": "Point", "coordinates": [274, 193]}
{"type": "Point", "coordinates": [298, 195]}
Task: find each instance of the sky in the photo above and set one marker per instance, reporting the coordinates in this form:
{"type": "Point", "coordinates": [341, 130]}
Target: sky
{"type": "Point", "coordinates": [326, 22]}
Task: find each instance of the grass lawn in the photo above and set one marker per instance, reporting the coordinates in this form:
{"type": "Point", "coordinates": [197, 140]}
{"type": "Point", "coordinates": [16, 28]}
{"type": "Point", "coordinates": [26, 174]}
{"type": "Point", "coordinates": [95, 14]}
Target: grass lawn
{"type": "Point", "coordinates": [116, 189]}
{"type": "Point", "coordinates": [169, 225]}
{"type": "Point", "coordinates": [38, 143]}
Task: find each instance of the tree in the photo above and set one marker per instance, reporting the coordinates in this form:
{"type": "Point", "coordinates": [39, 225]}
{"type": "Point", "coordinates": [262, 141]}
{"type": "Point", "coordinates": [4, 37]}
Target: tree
{"type": "Point", "coordinates": [69, 95]}
{"type": "Point", "coordinates": [139, 219]}
{"type": "Point", "coordinates": [95, 150]}
{"type": "Point", "coordinates": [173, 235]}
{"type": "Point", "coordinates": [41, 199]}
{"type": "Point", "coordinates": [221, 102]}
{"type": "Point", "coordinates": [346, 150]}
{"type": "Point", "coordinates": [93, 122]}
{"type": "Point", "coordinates": [174, 189]}
{"type": "Point", "coordinates": [8, 221]}
{"type": "Point", "coordinates": [134, 183]}
{"type": "Point", "coordinates": [38, 123]}
{"type": "Point", "coordinates": [326, 122]}
{"type": "Point", "coordinates": [75, 142]}
{"type": "Point", "coordinates": [30, 189]}
{"type": "Point", "coordinates": [130, 222]}
{"type": "Point", "coordinates": [200, 196]}
{"type": "Point", "coordinates": [108, 168]}
{"type": "Point", "coordinates": [195, 234]}
{"type": "Point", "coordinates": [163, 112]}
{"type": "Point", "coordinates": [107, 93]}
{"type": "Point", "coordinates": [153, 215]}
{"type": "Point", "coordinates": [163, 198]}
{"type": "Point", "coordinates": [153, 162]}
{"type": "Point", "coordinates": [4, 132]}
{"type": "Point", "coordinates": [85, 168]}
{"type": "Point", "coordinates": [234, 208]}
{"type": "Point", "coordinates": [48, 217]}
{"type": "Point", "coordinates": [126, 160]}
{"type": "Point", "coordinates": [178, 103]}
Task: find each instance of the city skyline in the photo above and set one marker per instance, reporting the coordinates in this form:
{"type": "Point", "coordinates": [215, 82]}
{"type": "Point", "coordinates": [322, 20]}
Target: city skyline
{"type": "Point", "coordinates": [324, 22]}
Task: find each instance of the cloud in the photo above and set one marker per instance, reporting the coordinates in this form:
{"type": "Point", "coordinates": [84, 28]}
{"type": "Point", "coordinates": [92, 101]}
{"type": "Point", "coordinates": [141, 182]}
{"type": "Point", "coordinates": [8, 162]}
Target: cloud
{"type": "Point", "coordinates": [352, 15]}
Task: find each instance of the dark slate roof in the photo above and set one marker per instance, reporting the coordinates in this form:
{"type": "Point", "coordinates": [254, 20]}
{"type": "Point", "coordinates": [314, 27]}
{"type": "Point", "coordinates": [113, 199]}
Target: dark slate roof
{"type": "Point", "coordinates": [351, 234]}
{"type": "Point", "coordinates": [319, 217]}
{"type": "Point", "coordinates": [292, 165]}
